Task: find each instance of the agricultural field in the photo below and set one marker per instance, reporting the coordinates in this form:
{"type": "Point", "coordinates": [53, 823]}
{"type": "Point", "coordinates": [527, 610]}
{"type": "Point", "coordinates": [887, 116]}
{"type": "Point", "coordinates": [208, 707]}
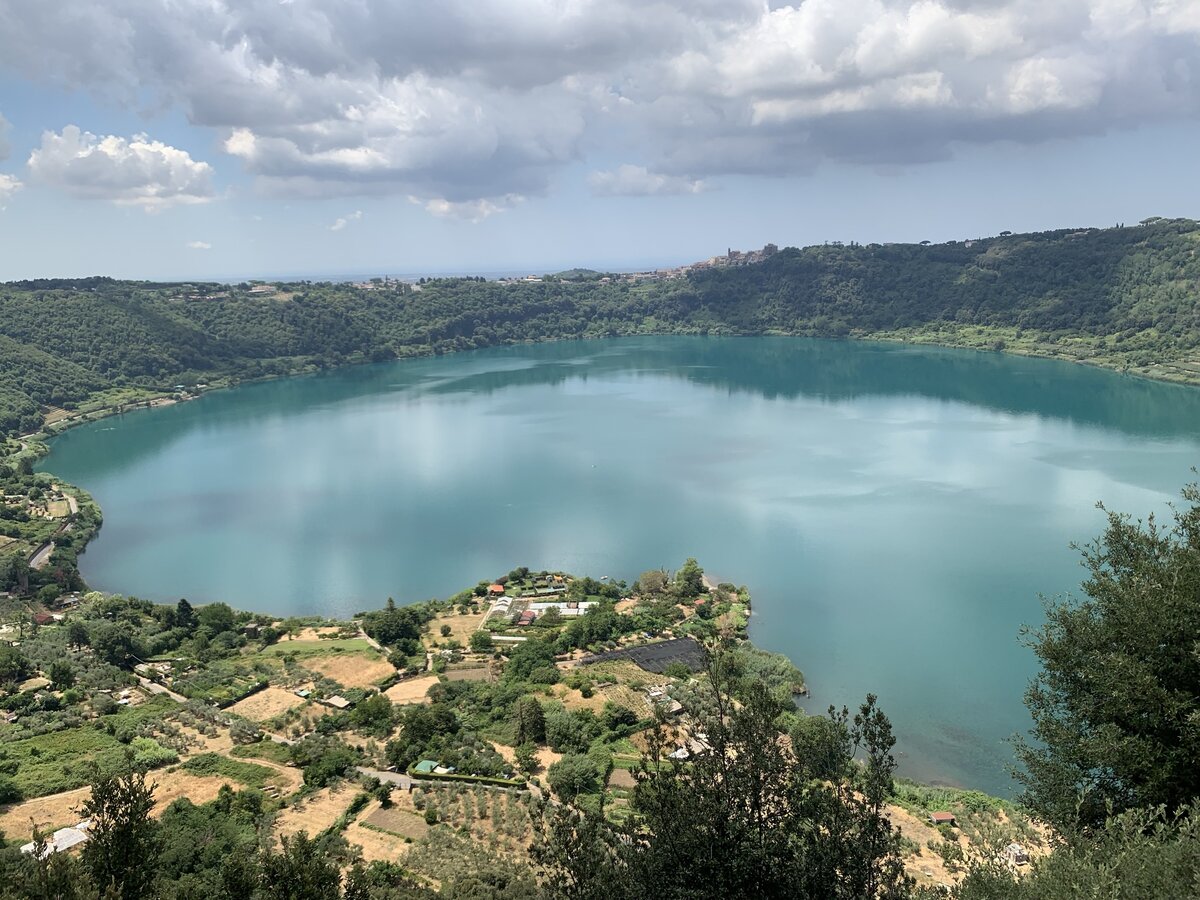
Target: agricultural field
{"type": "Point", "coordinates": [267, 704]}
{"type": "Point", "coordinates": [58, 761]}
{"type": "Point", "coordinates": [412, 690]}
{"type": "Point", "coordinates": [61, 810]}
{"type": "Point", "coordinates": [315, 812]}
{"type": "Point", "coordinates": [355, 670]}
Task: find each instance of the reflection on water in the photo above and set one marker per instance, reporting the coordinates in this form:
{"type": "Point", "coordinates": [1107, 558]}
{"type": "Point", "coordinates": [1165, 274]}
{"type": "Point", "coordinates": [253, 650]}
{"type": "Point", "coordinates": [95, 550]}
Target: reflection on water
{"type": "Point", "coordinates": [895, 510]}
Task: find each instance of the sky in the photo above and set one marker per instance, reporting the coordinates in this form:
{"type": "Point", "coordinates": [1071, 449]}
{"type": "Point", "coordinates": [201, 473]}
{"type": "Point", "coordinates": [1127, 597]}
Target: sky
{"type": "Point", "coordinates": [230, 139]}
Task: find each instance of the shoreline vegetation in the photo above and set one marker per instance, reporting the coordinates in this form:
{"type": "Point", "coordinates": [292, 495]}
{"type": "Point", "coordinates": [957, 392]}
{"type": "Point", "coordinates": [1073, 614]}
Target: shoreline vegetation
{"type": "Point", "coordinates": [417, 736]}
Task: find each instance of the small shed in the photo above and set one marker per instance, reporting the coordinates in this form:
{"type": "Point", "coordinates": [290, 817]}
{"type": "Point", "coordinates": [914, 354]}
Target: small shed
{"type": "Point", "coordinates": [943, 818]}
{"type": "Point", "coordinates": [425, 767]}
{"type": "Point", "coordinates": [337, 701]}
{"type": "Point", "coordinates": [496, 590]}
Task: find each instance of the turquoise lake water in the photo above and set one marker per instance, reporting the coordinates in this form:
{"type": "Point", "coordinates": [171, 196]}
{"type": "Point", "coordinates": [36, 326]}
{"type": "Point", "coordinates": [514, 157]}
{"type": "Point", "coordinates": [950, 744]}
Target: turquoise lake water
{"type": "Point", "coordinates": [896, 511]}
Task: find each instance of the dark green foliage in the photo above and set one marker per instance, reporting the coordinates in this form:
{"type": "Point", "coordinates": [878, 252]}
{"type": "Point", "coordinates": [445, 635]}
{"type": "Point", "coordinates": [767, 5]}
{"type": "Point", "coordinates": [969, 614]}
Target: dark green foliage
{"type": "Point", "coordinates": [1139, 855]}
{"type": "Point", "coordinates": [374, 715]}
{"type": "Point", "coordinates": [299, 871]}
{"type": "Point", "coordinates": [398, 626]}
{"type": "Point", "coordinates": [13, 664]}
{"type": "Point", "coordinates": [524, 658]}
{"type": "Point", "coordinates": [529, 721]}
{"type": "Point", "coordinates": [481, 642]}
{"type": "Point", "coordinates": [749, 818]}
{"type": "Point", "coordinates": [123, 841]}
{"type": "Point", "coordinates": [689, 580]}
{"type": "Point", "coordinates": [573, 775]}
{"type": "Point", "coordinates": [1116, 704]}
{"type": "Point", "coordinates": [323, 759]}
{"type": "Point", "coordinates": [216, 617]}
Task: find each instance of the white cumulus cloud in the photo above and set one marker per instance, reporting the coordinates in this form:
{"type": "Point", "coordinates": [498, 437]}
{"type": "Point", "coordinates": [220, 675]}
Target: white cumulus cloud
{"type": "Point", "coordinates": [466, 103]}
{"type": "Point", "coordinates": [9, 185]}
{"type": "Point", "coordinates": [638, 181]}
{"type": "Point", "coordinates": [474, 211]}
{"type": "Point", "coordinates": [133, 171]}
{"type": "Point", "coordinates": [199, 245]}
{"type": "Point", "coordinates": [342, 221]}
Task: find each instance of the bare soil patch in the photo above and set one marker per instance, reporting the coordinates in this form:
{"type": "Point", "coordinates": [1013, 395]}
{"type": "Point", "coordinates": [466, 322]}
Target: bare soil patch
{"type": "Point", "coordinates": [315, 813]}
{"type": "Point", "coordinates": [925, 866]}
{"type": "Point", "coordinates": [545, 756]}
{"type": "Point", "coordinates": [310, 634]}
{"type": "Point", "coordinates": [411, 691]}
{"type": "Point", "coordinates": [352, 669]}
{"type": "Point", "coordinates": [266, 704]}
{"type": "Point", "coordinates": [221, 742]}
{"type": "Point", "coordinates": [573, 699]}
{"type": "Point", "coordinates": [475, 673]}
{"type": "Point", "coordinates": [377, 844]}
{"type": "Point", "coordinates": [61, 810]}
{"type": "Point", "coordinates": [402, 822]}
{"type": "Point", "coordinates": [622, 778]}
{"type": "Point", "coordinates": [461, 627]}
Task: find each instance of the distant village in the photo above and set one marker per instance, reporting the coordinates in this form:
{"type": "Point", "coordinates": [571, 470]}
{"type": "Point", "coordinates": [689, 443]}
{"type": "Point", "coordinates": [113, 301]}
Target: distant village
{"type": "Point", "coordinates": [731, 259]}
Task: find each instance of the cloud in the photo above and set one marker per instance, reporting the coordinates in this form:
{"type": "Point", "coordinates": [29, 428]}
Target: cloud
{"type": "Point", "coordinates": [638, 181]}
{"type": "Point", "coordinates": [9, 185]}
{"type": "Point", "coordinates": [465, 103]}
{"type": "Point", "coordinates": [128, 172]}
{"type": "Point", "coordinates": [343, 221]}
{"type": "Point", "coordinates": [473, 211]}
{"type": "Point", "coordinates": [199, 245]}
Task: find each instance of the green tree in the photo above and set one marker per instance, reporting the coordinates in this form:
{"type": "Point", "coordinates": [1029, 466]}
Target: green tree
{"type": "Point", "coordinates": [527, 758]}
{"type": "Point", "coordinates": [374, 715]}
{"type": "Point", "coordinates": [123, 841]}
{"type": "Point", "coordinates": [745, 818]}
{"type": "Point", "coordinates": [216, 617]}
{"type": "Point", "coordinates": [299, 871]}
{"type": "Point", "coordinates": [573, 775]}
{"type": "Point", "coordinates": [689, 580]}
{"type": "Point", "coordinates": [62, 674]}
{"type": "Point", "coordinates": [77, 634]}
{"type": "Point", "coordinates": [1117, 702]}
{"type": "Point", "coordinates": [1138, 855]}
{"type": "Point", "coordinates": [653, 582]}
{"type": "Point", "coordinates": [13, 664]}
{"type": "Point", "coordinates": [529, 720]}
{"type": "Point", "coordinates": [481, 642]}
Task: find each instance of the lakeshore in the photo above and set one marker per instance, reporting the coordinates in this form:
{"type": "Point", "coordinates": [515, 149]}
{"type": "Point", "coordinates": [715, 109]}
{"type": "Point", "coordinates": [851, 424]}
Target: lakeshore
{"type": "Point", "coordinates": [608, 664]}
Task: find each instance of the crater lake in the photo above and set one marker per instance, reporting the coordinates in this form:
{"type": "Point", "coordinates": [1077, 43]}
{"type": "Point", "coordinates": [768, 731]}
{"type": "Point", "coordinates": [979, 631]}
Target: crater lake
{"type": "Point", "coordinates": [896, 511]}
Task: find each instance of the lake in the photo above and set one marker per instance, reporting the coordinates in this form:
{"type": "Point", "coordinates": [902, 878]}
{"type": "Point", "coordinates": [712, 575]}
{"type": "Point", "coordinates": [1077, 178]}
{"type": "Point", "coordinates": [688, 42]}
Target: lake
{"type": "Point", "coordinates": [896, 511]}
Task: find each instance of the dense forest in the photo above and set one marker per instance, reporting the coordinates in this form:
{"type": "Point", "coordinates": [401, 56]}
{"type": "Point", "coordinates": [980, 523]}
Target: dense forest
{"type": "Point", "coordinates": [1121, 297]}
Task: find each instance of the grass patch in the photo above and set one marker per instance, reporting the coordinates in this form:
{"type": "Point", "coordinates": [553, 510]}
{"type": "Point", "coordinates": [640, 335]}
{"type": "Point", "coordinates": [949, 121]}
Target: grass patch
{"type": "Point", "coordinates": [314, 648]}
{"type": "Point", "coordinates": [64, 760]}
{"type": "Point", "coordinates": [249, 774]}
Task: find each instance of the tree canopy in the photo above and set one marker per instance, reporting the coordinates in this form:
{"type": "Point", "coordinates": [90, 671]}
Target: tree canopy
{"type": "Point", "coordinates": [1116, 706]}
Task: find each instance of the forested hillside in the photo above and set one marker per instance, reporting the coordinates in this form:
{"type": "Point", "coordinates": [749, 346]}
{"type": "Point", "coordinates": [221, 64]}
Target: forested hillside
{"type": "Point", "coordinates": [1120, 297]}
